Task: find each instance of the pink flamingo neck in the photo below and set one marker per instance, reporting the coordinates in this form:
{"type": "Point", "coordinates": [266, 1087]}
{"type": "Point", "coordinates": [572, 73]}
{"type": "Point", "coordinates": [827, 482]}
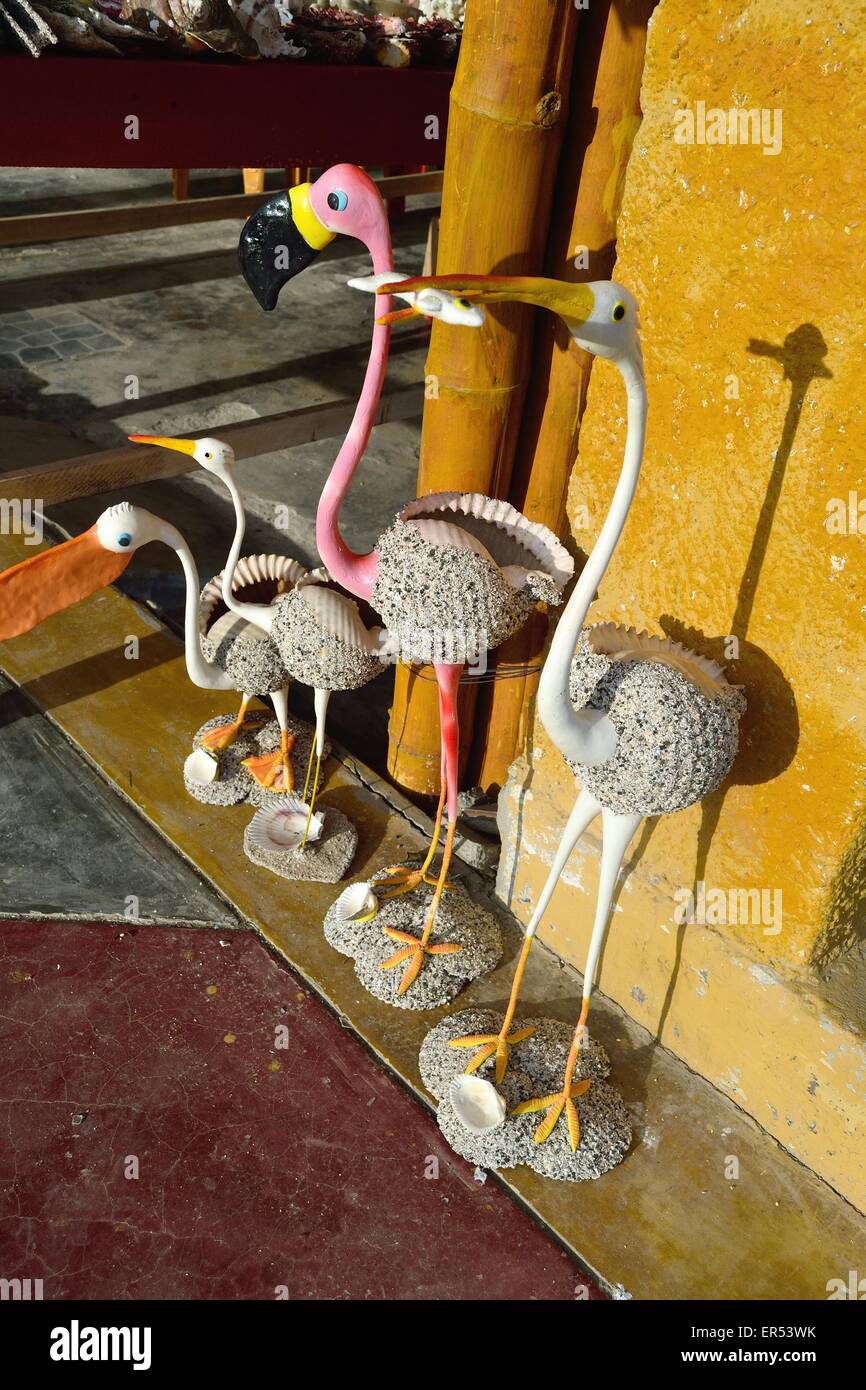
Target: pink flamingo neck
{"type": "Point", "coordinates": [357, 573]}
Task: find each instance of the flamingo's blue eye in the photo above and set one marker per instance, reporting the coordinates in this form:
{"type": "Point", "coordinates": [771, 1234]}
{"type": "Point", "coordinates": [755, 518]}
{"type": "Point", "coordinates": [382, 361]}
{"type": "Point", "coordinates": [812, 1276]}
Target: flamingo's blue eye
{"type": "Point", "coordinates": [124, 538]}
{"type": "Point", "coordinates": [338, 200]}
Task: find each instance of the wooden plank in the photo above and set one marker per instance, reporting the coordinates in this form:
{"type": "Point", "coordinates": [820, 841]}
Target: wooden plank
{"type": "Point", "coordinates": [63, 226]}
{"type": "Point", "coordinates": [254, 180]}
{"type": "Point", "coordinates": [77, 112]}
{"type": "Point", "coordinates": [180, 184]}
{"type": "Point", "coordinates": [90, 474]}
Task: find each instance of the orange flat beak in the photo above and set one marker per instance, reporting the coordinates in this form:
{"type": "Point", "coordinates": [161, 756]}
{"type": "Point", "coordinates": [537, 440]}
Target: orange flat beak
{"type": "Point", "coordinates": [182, 446]}
{"type": "Point", "coordinates": [398, 315]}
{"type": "Point", "coordinates": [53, 580]}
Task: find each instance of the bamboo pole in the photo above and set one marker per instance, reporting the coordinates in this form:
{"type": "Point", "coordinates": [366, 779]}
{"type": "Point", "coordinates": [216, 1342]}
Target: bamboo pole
{"type": "Point", "coordinates": [604, 119]}
{"type": "Point", "coordinates": [504, 135]}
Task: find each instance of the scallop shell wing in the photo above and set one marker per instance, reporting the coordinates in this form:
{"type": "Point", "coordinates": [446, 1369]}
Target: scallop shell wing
{"type": "Point", "coordinates": [620, 643]}
{"type": "Point", "coordinates": [555, 565]}
{"type": "Point", "coordinates": [250, 569]}
{"type": "Point", "coordinates": [339, 617]}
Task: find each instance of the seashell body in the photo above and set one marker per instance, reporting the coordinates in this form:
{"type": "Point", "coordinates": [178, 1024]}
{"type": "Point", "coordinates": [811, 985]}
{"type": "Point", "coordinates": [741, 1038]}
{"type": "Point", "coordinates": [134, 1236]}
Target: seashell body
{"type": "Point", "coordinates": [676, 717]}
{"type": "Point", "coordinates": [460, 573]}
{"type": "Point", "coordinates": [248, 655]}
{"type": "Point", "coordinates": [322, 640]}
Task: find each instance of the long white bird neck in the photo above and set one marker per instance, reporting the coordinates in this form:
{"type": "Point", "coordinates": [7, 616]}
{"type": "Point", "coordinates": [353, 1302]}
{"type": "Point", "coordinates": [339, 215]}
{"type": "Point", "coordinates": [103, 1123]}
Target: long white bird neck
{"type": "Point", "coordinates": [201, 672]}
{"type": "Point", "coordinates": [261, 615]}
{"type": "Point", "coordinates": [586, 736]}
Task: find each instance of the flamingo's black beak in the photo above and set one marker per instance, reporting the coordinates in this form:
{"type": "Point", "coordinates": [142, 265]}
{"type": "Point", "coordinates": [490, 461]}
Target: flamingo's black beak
{"type": "Point", "coordinates": [280, 240]}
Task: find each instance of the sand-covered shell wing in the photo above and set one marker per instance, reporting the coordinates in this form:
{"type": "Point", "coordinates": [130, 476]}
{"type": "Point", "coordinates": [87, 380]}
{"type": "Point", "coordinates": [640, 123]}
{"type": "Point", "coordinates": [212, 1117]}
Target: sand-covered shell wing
{"type": "Point", "coordinates": [251, 570]}
{"type": "Point", "coordinates": [339, 617]}
{"type": "Point", "coordinates": [512, 541]}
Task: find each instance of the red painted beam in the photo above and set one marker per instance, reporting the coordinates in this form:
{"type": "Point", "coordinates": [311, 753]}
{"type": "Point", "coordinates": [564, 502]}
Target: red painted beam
{"type": "Point", "coordinates": [65, 112]}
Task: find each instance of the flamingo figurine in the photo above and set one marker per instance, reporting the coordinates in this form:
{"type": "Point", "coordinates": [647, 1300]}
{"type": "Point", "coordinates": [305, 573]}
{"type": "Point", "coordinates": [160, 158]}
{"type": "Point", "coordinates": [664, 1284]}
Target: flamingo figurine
{"type": "Point", "coordinates": [455, 574]}
{"type": "Point", "coordinates": [646, 726]}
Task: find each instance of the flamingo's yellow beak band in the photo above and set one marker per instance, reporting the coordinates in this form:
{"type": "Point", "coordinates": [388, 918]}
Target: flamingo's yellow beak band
{"type": "Point", "coordinates": [281, 238]}
{"type": "Point", "coordinates": [55, 579]}
{"type": "Point", "coordinates": [574, 303]}
{"type": "Point", "coordinates": [181, 446]}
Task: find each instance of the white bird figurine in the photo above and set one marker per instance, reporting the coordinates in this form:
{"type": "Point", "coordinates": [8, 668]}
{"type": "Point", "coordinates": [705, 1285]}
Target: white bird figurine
{"type": "Point", "coordinates": [647, 726]}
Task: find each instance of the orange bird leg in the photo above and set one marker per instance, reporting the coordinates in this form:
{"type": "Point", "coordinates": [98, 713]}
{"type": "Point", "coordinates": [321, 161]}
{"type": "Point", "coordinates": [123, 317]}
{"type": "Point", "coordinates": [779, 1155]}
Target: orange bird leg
{"type": "Point", "coordinates": [274, 770]}
{"type": "Point", "coordinates": [497, 1044]}
{"type": "Point", "coordinates": [448, 680]}
{"type": "Point", "coordinates": [224, 735]}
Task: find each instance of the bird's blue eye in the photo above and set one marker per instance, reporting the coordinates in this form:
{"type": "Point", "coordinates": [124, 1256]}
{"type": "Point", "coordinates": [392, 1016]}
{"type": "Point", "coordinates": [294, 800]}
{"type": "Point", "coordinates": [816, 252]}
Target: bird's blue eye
{"type": "Point", "coordinates": [338, 200]}
{"type": "Point", "coordinates": [124, 538]}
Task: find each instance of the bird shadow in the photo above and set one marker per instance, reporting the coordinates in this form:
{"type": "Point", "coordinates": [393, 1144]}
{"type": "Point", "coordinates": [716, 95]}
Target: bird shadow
{"type": "Point", "coordinates": [770, 727]}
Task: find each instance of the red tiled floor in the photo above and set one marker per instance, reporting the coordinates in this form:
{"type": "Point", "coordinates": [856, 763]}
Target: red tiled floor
{"type": "Point", "coordinates": [154, 1049]}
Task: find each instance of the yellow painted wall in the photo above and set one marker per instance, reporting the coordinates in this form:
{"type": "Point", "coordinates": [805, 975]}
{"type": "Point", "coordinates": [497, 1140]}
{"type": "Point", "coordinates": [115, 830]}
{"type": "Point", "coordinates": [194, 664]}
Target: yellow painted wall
{"type": "Point", "coordinates": [749, 269]}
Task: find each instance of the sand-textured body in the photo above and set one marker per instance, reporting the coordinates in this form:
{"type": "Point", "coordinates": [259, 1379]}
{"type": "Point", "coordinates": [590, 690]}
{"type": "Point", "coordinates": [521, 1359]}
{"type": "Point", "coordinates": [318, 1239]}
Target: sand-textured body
{"type": "Point", "coordinates": [233, 782]}
{"type": "Point", "coordinates": [322, 640]}
{"type": "Point", "coordinates": [536, 1067]}
{"type": "Point", "coordinates": [247, 655]}
{"type": "Point", "coordinates": [460, 573]}
{"type": "Point", "coordinates": [676, 718]}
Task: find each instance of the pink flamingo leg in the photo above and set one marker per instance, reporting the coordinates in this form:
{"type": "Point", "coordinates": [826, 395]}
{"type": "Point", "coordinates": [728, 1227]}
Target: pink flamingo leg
{"type": "Point", "coordinates": [414, 950]}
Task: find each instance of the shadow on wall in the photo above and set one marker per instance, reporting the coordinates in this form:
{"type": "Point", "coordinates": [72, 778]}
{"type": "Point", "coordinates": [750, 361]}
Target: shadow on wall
{"type": "Point", "coordinates": [770, 729]}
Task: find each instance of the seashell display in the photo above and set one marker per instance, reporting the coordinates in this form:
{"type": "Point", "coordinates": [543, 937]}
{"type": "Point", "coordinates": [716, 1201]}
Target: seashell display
{"type": "Point", "coordinates": [357, 903]}
{"type": "Point", "coordinates": [477, 1104]}
{"type": "Point", "coordinates": [388, 32]}
{"type": "Point", "coordinates": [281, 825]}
{"type": "Point", "coordinates": [26, 27]}
{"type": "Point", "coordinates": [201, 767]}
{"type": "Point", "coordinates": [262, 21]}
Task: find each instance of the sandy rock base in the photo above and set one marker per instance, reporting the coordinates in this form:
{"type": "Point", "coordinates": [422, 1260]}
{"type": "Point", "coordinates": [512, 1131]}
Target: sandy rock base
{"type": "Point", "coordinates": [536, 1067]}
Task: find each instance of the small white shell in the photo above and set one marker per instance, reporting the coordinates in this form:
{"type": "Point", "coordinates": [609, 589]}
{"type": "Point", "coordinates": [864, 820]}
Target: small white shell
{"type": "Point", "coordinates": [201, 767]}
{"type": "Point", "coordinates": [281, 824]}
{"type": "Point", "coordinates": [477, 1104]}
{"type": "Point", "coordinates": [355, 902]}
